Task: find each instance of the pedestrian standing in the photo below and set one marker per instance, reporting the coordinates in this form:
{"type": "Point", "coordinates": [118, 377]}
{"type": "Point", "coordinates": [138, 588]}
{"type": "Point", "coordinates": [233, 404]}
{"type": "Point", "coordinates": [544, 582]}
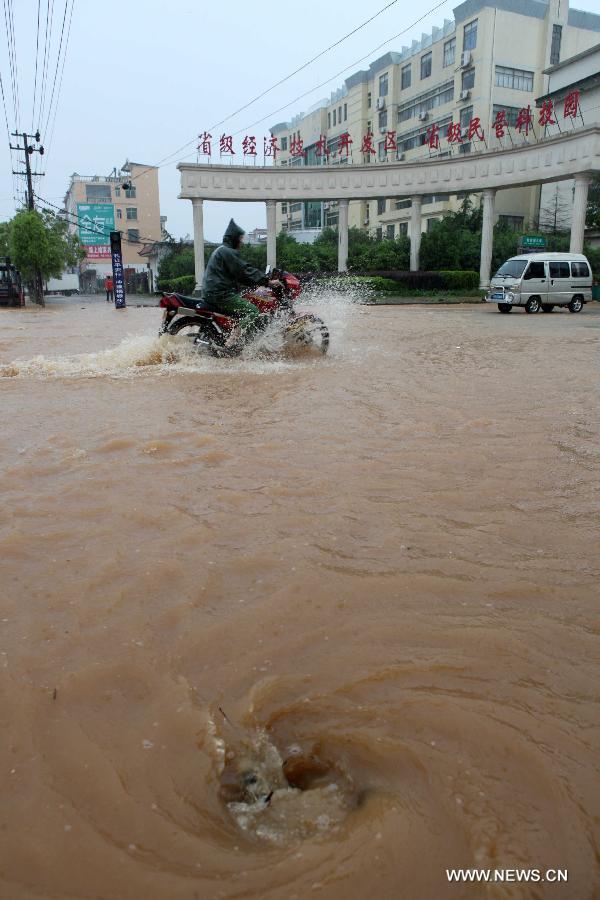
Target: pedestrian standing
{"type": "Point", "coordinates": [108, 287]}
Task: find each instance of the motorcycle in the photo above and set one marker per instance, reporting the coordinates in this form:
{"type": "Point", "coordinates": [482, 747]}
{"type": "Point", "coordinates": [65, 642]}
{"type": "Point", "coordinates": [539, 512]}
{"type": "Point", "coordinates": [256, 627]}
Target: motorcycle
{"type": "Point", "coordinates": [206, 329]}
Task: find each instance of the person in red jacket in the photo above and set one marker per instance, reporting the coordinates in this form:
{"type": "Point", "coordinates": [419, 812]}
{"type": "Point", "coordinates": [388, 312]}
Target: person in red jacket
{"type": "Point", "coordinates": [108, 287]}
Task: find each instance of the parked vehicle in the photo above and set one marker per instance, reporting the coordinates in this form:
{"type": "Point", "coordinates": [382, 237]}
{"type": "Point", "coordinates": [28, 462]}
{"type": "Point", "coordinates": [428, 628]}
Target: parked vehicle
{"type": "Point", "coordinates": [67, 285]}
{"type": "Point", "coordinates": [542, 281]}
{"type": "Point", "coordinates": [12, 292]}
{"type": "Point", "coordinates": [206, 329]}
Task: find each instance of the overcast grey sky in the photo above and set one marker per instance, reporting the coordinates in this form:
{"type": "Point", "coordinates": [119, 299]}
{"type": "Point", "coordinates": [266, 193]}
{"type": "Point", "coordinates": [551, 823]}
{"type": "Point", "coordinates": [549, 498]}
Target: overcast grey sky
{"type": "Point", "coordinates": [143, 77]}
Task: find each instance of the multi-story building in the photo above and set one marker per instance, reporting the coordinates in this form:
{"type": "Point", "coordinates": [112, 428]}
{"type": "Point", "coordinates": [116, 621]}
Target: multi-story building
{"type": "Point", "coordinates": [581, 74]}
{"type": "Point", "coordinates": [492, 57]}
{"type": "Point", "coordinates": [125, 201]}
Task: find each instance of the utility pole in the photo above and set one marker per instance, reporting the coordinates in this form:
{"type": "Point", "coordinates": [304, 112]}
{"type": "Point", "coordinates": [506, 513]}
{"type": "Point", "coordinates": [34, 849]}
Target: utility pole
{"type": "Point", "coordinates": [28, 149]}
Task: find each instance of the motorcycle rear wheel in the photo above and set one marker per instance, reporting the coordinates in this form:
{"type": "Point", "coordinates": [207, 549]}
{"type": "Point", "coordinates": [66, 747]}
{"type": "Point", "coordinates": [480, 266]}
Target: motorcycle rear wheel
{"type": "Point", "coordinates": [199, 335]}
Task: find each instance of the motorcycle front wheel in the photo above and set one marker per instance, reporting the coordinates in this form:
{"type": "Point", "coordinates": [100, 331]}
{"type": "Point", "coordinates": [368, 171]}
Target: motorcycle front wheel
{"type": "Point", "coordinates": [308, 332]}
{"type": "Point", "coordinates": [197, 335]}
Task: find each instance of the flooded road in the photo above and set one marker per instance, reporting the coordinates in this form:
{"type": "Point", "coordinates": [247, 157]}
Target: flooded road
{"type": "Point", "coordinates": [383, 563]}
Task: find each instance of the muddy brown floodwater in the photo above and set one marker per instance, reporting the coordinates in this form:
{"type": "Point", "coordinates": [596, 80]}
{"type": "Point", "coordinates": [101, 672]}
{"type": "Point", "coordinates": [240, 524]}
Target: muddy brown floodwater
{"type": "Point", "coordinates": [382, 566]}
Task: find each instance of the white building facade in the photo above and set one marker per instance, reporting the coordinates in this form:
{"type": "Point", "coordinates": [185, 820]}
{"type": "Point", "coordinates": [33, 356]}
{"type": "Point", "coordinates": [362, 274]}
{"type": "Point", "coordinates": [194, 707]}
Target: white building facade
{"type": "Point", "coordinates": [493, 57]}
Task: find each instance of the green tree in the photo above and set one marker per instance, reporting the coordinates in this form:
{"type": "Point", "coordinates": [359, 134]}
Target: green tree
{"type": "Point", "coordinates": [41, 241]}
{"type": "Point", "coordinates": [4, 229]}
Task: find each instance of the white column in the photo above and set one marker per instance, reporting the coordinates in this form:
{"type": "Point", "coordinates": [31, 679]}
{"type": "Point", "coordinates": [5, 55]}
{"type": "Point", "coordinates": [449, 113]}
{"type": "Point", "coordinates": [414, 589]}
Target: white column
{"type": "Point", "coordinates": [415, 232]}
{"type": "Point", "coordinates": [198, 211]}
{"type": "Point", "coordinates": [271, 233]}
{"type": "Point", "coordinates": [580, 198]}
{"type": "Point", "coordinates": [343, 236]}
{"type": "Point", "coordinates": [487, 239]}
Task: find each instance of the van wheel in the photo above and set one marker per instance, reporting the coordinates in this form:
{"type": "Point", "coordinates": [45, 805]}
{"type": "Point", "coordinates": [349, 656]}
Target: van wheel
{"type": "Point", "coordinates": [547, 307]}
{"type": "Point", "coordinates": [532, 305]}
{"type": "Point", "coordinates": [576, 305]}
{"type": "Point", "coordinates": [505, 307]}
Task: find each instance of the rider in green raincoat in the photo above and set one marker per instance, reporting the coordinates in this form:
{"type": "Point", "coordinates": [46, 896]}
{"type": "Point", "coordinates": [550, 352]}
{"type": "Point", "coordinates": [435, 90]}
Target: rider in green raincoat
{"type": "Point", "coordinates": [226, 274]}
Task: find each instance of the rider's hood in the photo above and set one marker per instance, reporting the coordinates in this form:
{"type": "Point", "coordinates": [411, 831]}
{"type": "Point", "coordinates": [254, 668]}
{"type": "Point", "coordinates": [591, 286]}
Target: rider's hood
{"type": "Point", "coordinates": [233, 234]}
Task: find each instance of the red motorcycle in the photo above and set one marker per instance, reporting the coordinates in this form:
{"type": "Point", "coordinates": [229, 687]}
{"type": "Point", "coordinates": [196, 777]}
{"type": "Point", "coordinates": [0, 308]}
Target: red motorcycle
{"type": "Point", "coordinates": [209, 330]}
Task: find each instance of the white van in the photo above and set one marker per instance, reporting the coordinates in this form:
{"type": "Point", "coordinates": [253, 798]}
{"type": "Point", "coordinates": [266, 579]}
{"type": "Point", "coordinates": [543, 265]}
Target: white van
{"type": "Point", "coordinates": [542, 281]}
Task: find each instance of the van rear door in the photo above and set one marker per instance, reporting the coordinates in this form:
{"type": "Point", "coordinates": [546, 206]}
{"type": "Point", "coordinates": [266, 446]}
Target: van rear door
{"type": "Point", "coordinates": [535, 281]}
{"type": "Point", "coordinates": [560, 282]}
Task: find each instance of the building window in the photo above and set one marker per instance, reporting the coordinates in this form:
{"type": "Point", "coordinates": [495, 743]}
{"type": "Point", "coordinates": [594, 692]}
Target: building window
{"type": "Point", "coordinates": [329, 120]}
{"type": "Point", "coordinates": [284, 143]}
{"type": "Point", "coordinates": [380, 233]}
{"type": "Point", "coordinates": [133, 235]}
{"type": "Point", "coordinates": [130, 192]}
{"type": "Point", "coordinates": [466, 114]}
{"type": "Point", "coordinates": [555, 48]}
{"type": "Point", "coordinates": [403, 204]}
{"type": "Point", "coordinates": [512, 113]}
{"type": "Point", "coordinates": [131, 212]}
{"type": "Point", "coordinates": [117, 191]}
{"type": "Point", "coordinates": [517, 79]}
{"type": "Point", "coordinates": [284, 209]}
{"type": "Point", "coordinates": [345, 112]}
{"type": "Point", "coordinates": [402, 228]}
{"type": "Point", "coordinates": [470, 36]}
{"type": "Point", "coordinates": [334, 118]}
{"type": "Point", "coordinates": [515, 223]}
{"type": "Point", "coordinates": [449, 52]}
{"type": "Point", "coordinates": [383, 119]}
{"type": "Point", "coordinates": [443, 93]}
{"type": "Point", "coordinates": [369, 100]}
{"type": "Point", "coordinates": [99, 193]}
{"type": "Point", "coordinates": [340, 115]}
{"type": "Point", "coordinates": [426, 65]}
{"type": "Point", "coordinates": [381, 151]}
{"type": "Point", "coordinates": [431, 223]}
{"type": "Point", "coordinates": [383, 85]}
{"type": "Point", "coordinates": [390, 235]}
{"type": "Point", "coordinates": [406, 77]}
{"type": "Point", "coordinates": [468, 79]}
{"type": "Point", "coordinates": [119, 214]}
{"type": "Point", "coordinates": [380, 207]}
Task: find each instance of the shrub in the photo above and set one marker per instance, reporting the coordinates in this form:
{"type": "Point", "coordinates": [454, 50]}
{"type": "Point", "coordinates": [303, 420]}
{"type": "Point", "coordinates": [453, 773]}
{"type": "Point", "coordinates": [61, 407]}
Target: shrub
{"type": "Point", "coordinates": [185, 284]}
{"type": "Point", "coordinates": [461, 280]}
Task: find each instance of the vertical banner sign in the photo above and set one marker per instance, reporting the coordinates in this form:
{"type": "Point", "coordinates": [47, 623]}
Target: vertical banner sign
{"type": "Point", "coordinates": [117, 267]}
{"type": "Point", "coordinates": [96, 221]}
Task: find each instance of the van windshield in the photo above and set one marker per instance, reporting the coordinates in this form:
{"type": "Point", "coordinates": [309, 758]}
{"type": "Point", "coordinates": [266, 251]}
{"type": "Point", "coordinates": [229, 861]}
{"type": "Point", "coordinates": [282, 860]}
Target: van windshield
{"type": "Point", "coordinates": [512, 268]}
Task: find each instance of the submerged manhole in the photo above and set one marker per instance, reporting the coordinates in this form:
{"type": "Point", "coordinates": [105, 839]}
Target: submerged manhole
{"type": "Point", "coordinates": [284, 796]}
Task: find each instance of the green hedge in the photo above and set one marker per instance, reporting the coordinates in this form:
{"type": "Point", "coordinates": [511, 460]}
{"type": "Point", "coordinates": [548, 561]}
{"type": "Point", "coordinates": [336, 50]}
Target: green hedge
{"type": "Point", "coordinates": [185, 284]}
{"type": "Point", "coordinates": [411, 282]}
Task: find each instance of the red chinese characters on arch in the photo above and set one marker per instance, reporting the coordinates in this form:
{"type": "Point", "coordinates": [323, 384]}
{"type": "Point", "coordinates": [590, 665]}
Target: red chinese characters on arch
{"type": "Point", "coordinates": [546, 114]}
{"type": "Point", "coordinates": [249, 145]}
{"type": "Point", "coordinates": [524, 120]}
{"type": "Point", "coordinates": [432, 137]}
{"type": "Point", "coordinates": [367, 147]}
{"type": "Point", "coordinates": [321, 148]}
{"type": "Point", "coordinates": [454, 133]}
{"type": "Point", "coordinates": [344, 144]}
{"type": "Point", "coordinates": [297, 147]}
{"type": "Point", "coordinates": [390, 142]}
{"type": "Point", "coordinates": [571, 107]}
{"type": "Point", "coordinates": [205, 145]}
{"type": "Point", "coordinates": [226, 145]}
{"type": "Point", "coordinates": [271, 147]}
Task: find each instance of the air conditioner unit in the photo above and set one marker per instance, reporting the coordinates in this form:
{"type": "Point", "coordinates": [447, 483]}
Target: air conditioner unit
{"type": "Point", "coordinates": [326, 205]}
{"type": "Point", "coordinates": [380, 103]}
{"type": "Point", "coordinates": [366, 221]}
{"type": "Point", "coordinates": [465, 58]}
{"type": "Point", "coordinates": [423, 116]}
{"type": "Point", "coordinates": [464, 95]}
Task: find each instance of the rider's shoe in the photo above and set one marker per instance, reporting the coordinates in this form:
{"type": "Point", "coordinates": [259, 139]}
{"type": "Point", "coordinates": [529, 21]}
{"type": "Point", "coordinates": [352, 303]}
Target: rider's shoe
{"type": "Point", "coordinates": [235, 340]}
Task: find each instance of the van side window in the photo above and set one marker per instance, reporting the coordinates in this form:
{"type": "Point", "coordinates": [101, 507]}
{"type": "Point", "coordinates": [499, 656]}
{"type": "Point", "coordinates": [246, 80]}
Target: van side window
{"type": "Point", "coordinates": [580, 270]}
{"type": "Point", "coordinates": [560, 270]}
{"type": "Point", "coordinates": [535, 270]}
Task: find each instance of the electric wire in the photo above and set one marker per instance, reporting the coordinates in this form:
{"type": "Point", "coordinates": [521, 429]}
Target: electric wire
{"type": "Point", "coordinates": [165, 160]}
{"type": "Point", "coordinates": [37, 46]}
{"type": "Point", "coordinates": [62, 32]}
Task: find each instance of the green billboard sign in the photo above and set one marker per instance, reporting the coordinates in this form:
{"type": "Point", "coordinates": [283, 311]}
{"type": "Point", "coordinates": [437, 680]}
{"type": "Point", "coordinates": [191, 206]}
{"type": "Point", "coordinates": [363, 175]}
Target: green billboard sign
{"type": "Point", "coordinates": [534, 241]}
{"type": "Point", "coordinates": [96, 221]}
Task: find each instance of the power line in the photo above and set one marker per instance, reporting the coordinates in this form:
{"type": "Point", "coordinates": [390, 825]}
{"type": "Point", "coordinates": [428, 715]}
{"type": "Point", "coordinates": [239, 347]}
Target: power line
{"type": "Point", "coordinates": [37, 44]}
{"type": "Point", "coordinates": [47, 48]}
{"type": "Point", "coordinates": [57, 65]}
{"type": "Point", "coordinates": [75, 219]}
{"type": "Point", "coordinates": [165, 159]}
{"type": "Point", "coordinates": [8, 136]}
{"type": "Point", "coordinates": [305, 65]}
{"type": "Point", "coordinates": [62, 72]}
{"type": "Point", "coordinates": [12, 59]}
